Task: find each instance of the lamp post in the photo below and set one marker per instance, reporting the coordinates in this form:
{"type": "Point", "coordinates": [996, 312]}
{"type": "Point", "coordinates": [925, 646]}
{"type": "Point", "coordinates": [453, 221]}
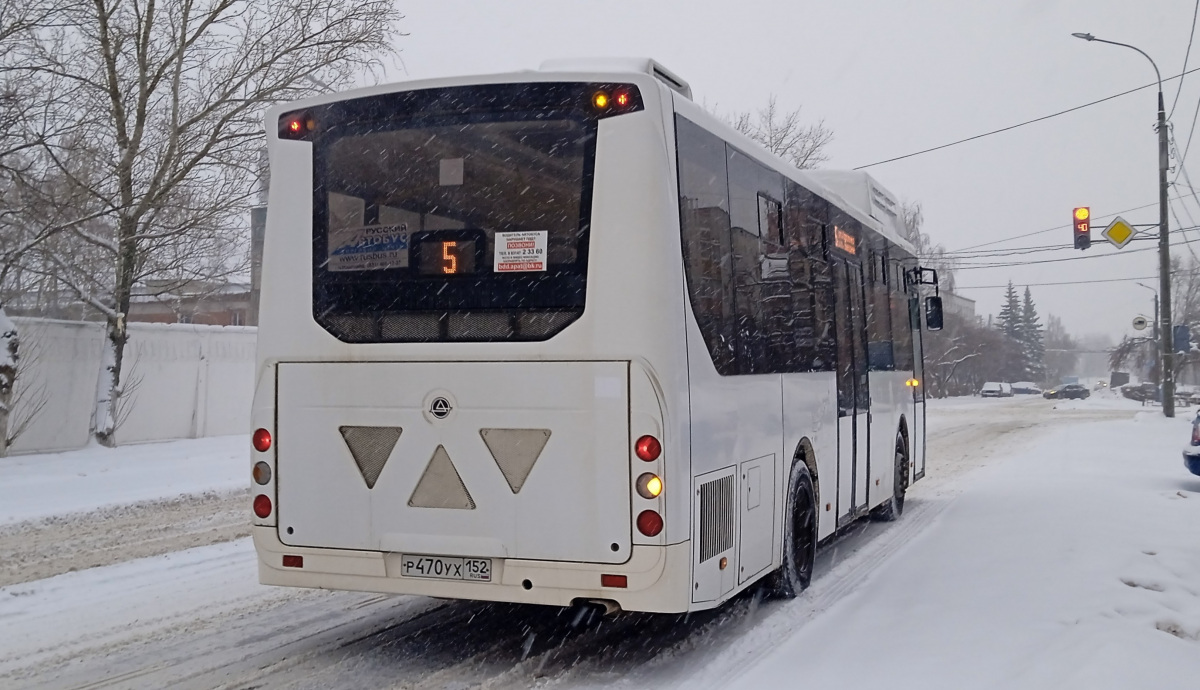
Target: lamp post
{"type": "Point", "coordinates": [1164, 244]}
{"type": "Point", "coordinates": [1156, 333]}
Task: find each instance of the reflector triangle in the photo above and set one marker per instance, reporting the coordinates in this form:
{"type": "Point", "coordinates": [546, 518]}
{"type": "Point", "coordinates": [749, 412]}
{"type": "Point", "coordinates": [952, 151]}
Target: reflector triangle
{"type": "Point", "coordinates": [370, 446]}
{"type": "Point", "coordinates": [515, 451]}
{"type": "Point", "coordinates": [441, 486]}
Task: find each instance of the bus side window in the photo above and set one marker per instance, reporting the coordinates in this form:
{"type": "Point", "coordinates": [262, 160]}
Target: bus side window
{"type": "Point", "coordinates": [811, 298]}
{"type": "Point", "coordinates": [761, 305]}
{"type": "Point", "coordinates": [880, 355]}
{"type": "Point", "coordinates": [901, 321]}
{"type": "Point", "coordinates": [704, 227]}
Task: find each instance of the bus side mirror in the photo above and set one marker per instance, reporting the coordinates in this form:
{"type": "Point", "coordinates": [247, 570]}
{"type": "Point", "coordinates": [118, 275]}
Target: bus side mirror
{"type": "Point", "coordinates": [933, 313]}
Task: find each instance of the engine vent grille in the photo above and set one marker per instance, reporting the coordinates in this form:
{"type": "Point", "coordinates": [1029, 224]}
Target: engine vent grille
{"type": "Point", "coordinates": [716, 517]}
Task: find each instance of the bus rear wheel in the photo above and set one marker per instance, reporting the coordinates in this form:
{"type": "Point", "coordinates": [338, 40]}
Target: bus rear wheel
{"type": "Point", "coordinates": [891, 510]}
{"type": "Point", "coordinates": [799, 537]}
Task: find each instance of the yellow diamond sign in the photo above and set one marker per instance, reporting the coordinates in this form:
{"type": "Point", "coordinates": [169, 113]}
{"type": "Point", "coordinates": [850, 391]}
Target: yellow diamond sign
{"type": "Point", "coordinates": [1118, 232]}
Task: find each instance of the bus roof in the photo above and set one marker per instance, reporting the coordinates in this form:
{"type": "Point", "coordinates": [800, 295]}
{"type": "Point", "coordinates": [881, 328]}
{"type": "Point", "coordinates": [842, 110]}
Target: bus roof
{"type": "Point", "coordinates": [853, 191]}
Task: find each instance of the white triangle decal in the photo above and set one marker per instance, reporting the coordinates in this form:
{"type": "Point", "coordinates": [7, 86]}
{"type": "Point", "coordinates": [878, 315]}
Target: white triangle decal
{"type": "Point", "coordinates": [370, 446]}
{"type": "Point", "coordinates": [441, 486]}
{"type": "Point", "coordinates": [515, 451]}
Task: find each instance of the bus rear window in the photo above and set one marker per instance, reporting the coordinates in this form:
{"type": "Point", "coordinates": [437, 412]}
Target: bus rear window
{"type": "Point", "coordinates": [453, 214]}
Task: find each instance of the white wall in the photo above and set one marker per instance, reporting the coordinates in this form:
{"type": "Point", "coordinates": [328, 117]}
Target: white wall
{"type": "Point", "coordinates": [183, 381]}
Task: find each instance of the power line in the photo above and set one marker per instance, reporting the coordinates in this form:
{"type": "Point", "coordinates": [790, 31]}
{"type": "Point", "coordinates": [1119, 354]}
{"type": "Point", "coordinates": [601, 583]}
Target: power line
{"type": "Point", "coordinates": [1022, 124]}
{"type": "Point", "coordinates": [1191, 131]}
{"type": "Point", "coordinates": [959, 267]}
{"type": "Point", "coordinates": [1065, 282]}
{"type": "Point", "coordinates": [1186, 55]}
{"type": "Point", "coordinates": [1018, 251]}
{"type": "Point", "coordinates": [1056, 227]}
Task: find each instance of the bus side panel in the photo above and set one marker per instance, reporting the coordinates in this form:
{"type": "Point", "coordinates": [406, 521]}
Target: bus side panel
{"type": "Point", "coordinates": [734, 420]}
{"type": "Point", "coordinates": [917, 441]}
{"type": "Point", "coordinates": [888, 395]}
{"type": "Point", "coordinates": [810, 410]}
{"type": "Point", "coordinates": [635, 283]}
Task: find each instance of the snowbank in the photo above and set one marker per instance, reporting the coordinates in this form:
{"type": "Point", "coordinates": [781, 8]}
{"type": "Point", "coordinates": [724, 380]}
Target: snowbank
{"type": "Point", "coordinates": [44, 485]}
{"type": "Point", "coordinates": [1072, 564]}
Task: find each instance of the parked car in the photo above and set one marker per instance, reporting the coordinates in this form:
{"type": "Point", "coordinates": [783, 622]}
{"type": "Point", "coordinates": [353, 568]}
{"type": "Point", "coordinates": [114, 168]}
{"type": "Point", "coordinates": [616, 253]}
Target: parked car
{"type": "Point", "coordinates": [1191, 452]}
{"type": "Point", "coordinates": [1186, 394]}
{"type": "Point", "coordinates": [1142, 392]}
{"type": "Point", "coordinates": [1006, 390]}
{"type": "Point", "coordinates": [991, 389]}
{"type": "Point", "coordinates": [1026, 388]}
{"type": "Point", "coordinates": [1069, 391]}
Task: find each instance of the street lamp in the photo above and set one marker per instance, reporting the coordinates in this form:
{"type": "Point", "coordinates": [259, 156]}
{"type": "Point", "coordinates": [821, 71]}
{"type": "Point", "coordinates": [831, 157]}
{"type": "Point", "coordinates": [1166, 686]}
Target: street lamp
{"type": "Point", "coordinates": [1155, 306]}
{"type": "Point", "coordinates": [1164, 244]}
{"type": "Point", "coordinates": [1156, 332]}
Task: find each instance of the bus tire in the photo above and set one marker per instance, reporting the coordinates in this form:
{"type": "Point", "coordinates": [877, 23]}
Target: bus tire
{"type": "Point", "coordinates": [891, 510]}
{"type": "Point", "coordinates": [799, 537]}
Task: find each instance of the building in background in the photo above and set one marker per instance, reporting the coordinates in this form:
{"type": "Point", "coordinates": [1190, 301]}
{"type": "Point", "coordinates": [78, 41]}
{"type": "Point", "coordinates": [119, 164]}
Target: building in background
{"type": "Point", "coordinates": [213, 304]}
{"type": "Point", "coordinates": [958, 305]}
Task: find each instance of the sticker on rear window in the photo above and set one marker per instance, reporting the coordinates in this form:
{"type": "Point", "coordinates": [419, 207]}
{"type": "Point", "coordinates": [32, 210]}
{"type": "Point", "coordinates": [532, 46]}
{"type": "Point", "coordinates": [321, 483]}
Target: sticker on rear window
{"type": "Point", "coordinates": [368, 248]}
{"type": "Point", "coordinates": [520, 251]}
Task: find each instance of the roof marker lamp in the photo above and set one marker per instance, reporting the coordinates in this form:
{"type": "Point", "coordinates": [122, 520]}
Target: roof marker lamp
{"type": "Point", "coordinates": [296, 125]}
{"type": "Point", "coordinates": [600, 100]}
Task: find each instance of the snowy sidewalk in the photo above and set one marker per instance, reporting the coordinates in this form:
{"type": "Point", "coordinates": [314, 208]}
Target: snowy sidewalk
{"type": "Point", "coordinates": [1073, 564]}
{"type": "Point", "coordinates": [45, 485]}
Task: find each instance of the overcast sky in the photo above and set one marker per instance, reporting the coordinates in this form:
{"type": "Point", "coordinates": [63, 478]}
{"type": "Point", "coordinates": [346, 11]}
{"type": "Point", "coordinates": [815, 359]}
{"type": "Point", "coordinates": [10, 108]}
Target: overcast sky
{"type": "Point", "coordinates": [890, 78]}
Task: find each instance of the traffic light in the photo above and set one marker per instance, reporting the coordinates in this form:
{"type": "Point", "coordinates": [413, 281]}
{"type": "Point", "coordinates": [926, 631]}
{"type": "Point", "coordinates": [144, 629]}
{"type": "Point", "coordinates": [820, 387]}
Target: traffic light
{"type": "Point", "coordinates": [1082, 217]}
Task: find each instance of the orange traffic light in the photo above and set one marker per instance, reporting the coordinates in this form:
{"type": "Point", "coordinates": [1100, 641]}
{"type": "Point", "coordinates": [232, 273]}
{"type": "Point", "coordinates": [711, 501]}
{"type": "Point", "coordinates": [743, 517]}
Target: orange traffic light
{"type": "Point", "coordinates": [1082, 220]}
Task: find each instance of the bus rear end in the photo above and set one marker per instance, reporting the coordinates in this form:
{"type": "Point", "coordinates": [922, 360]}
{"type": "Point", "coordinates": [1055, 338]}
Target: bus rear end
{"type": "Point", "coordinates": [446, 432]}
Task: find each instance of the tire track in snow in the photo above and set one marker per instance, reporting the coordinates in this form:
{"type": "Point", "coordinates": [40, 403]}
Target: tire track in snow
{"type": "Point", "coordinates": [38, 549]}
{"type": "Point", "coordinates": [280, 638]}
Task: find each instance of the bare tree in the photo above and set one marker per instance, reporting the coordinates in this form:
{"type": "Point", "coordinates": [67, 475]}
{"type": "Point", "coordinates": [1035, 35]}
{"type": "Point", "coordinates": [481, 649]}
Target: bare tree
{"type": "Point", "coordinates": [912, 218]}
{"type": "Point", "coordinates": [1062, 354]}
{"type": "Point", "coordinates": [154, 133]}
{"type": "Point", "coordinates": [9, 357]}
{"type": "Point", "coordinates": [785, 134]}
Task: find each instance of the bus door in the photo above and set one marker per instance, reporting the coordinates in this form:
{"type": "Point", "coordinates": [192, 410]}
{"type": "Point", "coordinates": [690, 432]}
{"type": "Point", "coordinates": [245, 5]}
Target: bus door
{"type": "Point", "coordinates": [853, 397]}
{"type": "Point", "coordinates": [917, 445]}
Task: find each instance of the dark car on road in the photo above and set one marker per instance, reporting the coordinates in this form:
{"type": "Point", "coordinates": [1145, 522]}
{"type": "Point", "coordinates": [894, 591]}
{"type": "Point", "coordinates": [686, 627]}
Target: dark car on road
{"type": "Point", "coordinates": [1191, 453]}
{"type": "Point", "coordinates": [1142, 392]}
{"type": "Point", "coordinates": [1069, 391]}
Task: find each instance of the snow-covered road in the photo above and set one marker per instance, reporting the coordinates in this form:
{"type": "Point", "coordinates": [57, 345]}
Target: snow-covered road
{"type": "Point", "coordinates": [1046, 547]}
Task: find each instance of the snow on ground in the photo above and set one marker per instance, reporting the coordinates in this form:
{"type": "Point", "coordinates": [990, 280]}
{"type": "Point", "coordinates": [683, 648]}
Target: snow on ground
{"type": "Point", "coordinates": [1074, 563]}
{"type": "Point", "coordinates": [54, 484]}
{"type": "Point", "coordinates": [1052, 545]}
{"type": "Point", "coordinates": [205, 579]}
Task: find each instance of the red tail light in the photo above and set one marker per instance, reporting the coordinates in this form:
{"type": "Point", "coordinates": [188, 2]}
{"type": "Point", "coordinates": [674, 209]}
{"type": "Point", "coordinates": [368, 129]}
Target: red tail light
{"type": "Point", "coordinates": [261, 440]}
{"type": "Point", "coordinates": [293, 561]}
{"type": "Point", "coordinates": [1196, 434]}
{"type": "Point", "coordinates": [648, 448]}
{"type": "Point", "coordinates": [262, 506]}
{"type": "Point", "coordinates": [649, 523]}
{"type": "Point", "coordinates": [614, 581]}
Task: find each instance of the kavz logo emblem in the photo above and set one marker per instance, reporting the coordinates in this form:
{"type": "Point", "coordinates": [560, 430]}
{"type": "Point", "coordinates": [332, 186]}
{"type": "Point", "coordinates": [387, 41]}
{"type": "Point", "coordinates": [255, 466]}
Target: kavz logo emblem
{"type": "Point", "coordinates": [440, 408]}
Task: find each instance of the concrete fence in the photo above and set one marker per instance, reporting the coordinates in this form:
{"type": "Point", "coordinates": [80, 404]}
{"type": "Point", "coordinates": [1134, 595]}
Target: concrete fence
{"type": "Point", "coordinates": [182, 381]}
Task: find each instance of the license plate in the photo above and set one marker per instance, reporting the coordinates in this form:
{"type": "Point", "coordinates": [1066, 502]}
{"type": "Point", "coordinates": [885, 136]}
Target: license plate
{"type": "Point", "coordinates": [443, 568]}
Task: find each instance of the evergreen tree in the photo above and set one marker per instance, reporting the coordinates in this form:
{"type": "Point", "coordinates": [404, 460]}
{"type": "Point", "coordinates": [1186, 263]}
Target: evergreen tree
{"type": "Point", "coordinates": [1009, 320]}
{"type": "Point", "coordinates": [1033, 350]}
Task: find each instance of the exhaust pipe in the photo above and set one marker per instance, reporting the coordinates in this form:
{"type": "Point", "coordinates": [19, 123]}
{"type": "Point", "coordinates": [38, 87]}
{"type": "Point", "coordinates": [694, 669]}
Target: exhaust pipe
{"type": "Point", "coordinates": [588, 610]}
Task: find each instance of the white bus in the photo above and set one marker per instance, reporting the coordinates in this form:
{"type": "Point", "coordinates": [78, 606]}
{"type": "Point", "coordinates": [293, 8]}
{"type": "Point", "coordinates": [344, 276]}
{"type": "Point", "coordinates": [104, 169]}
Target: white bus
{"type": "Point", "coordinates": [562, 337]}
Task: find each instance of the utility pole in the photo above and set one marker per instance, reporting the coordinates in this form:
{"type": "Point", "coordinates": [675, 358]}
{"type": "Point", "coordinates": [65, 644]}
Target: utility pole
{"type": "Point", "coordinates": [1165, 331]}
{"type": "Point", "coordinates": [1164, 266]}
